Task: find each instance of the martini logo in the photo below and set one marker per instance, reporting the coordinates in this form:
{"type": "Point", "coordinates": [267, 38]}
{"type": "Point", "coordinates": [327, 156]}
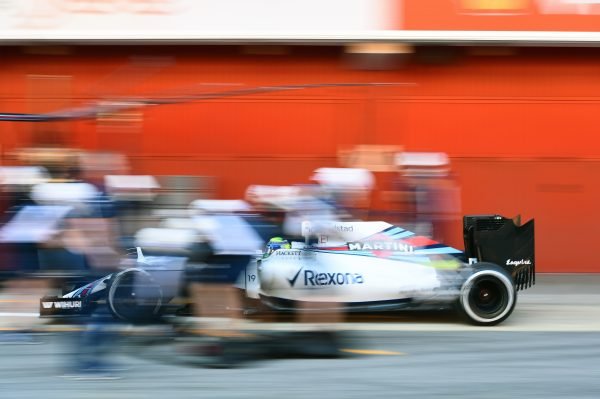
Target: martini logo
{"type": "Point", "coordinates": [381, 246]}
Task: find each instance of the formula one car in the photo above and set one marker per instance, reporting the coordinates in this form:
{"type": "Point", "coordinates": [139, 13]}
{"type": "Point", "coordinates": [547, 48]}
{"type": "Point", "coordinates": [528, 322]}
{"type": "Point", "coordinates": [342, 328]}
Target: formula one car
{"type": "Point", "coordinates": [140, 293]}
{"type": "Point", "coordinates": [364, 266]}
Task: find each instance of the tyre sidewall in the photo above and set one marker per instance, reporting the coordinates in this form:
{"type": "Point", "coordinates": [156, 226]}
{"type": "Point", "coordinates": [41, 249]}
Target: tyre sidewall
{"type": "Point", "coordinates": [497, 272]}
{"type": "Point", "coordinates": [114, 283]}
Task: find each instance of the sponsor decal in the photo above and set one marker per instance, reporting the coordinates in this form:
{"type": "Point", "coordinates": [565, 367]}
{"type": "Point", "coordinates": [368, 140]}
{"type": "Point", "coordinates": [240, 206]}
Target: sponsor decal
{"type": "Point", "coordinates": [532, 7]}
{"type": "Point", "coordinates": [293, 280]}
{"type": "Point", "coordinates": [62, 305]}
{"type": "Point", "coordinates": [288, 253]}
{"type": "Point", "coordinates": [309, 229]}
{"type": "Point", "coordinates": [516, 263]}
{"type": "Point", "coordinates": [314, 278]}
{"type": "Point", "coordinates": [381, 246]}
{"type": "Point", "coordinates": [343, 229]}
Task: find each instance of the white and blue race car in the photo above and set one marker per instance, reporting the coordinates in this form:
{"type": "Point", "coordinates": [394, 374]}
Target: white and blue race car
{"type": "Point", "coordinates": [363, 266]}
{"type": "Point", "coordinates": [352, 266]}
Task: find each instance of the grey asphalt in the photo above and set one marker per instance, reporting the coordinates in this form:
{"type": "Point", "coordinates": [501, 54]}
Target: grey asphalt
{"type": "Point", "coordinates": [549, 348]}
{"type": "Point", "coordinates": [421, 364]}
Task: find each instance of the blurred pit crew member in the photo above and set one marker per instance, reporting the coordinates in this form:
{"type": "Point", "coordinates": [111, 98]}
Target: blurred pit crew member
{"type": "Point", "coordinates": [216, 301]}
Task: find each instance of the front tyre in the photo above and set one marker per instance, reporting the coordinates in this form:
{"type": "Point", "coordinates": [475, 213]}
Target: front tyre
{"type": "Point", "coordinates": [134, 296]}
{"type": "Point", "coordinates": [488, 296]}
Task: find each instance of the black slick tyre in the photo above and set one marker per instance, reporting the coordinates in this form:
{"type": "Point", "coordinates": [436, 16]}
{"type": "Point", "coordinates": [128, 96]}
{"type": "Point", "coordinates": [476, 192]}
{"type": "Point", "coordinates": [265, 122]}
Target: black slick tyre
{"type": "Point", "coordinates": [134, 296]}
{"type": "Point", "coordinates": [488, 296]}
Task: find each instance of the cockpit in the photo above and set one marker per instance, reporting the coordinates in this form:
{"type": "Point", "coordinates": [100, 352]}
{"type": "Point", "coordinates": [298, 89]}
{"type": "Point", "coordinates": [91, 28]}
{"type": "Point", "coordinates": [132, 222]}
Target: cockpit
{"type": "Point", "coordinates": [274, 244]}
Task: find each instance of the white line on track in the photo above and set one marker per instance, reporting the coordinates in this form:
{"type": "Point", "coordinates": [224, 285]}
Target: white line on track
{"type": "Point", "coordinates": [19, 315]}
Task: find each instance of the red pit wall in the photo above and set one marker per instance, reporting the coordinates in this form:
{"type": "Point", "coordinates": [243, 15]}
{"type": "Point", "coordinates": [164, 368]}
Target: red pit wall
{"type": "Point", "coordinates": [521, 130]}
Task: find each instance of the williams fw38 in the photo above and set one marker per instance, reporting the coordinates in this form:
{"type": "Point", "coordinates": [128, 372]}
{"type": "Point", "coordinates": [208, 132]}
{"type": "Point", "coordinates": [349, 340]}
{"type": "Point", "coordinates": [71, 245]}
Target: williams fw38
{"type": "Point", "coordinates": [352, 266]}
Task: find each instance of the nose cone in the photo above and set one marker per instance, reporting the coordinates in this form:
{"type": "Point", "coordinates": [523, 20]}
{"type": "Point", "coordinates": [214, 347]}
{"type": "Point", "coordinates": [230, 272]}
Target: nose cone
{"type": "Point", "coordinates": [266, 275]}
{"type": "Point", "coordinates": [277, 274]}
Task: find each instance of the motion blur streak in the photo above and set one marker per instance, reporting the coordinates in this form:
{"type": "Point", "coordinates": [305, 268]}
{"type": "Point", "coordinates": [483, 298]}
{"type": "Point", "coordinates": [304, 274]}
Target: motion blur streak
{"type": "Point", "coordinates": [327, 198]}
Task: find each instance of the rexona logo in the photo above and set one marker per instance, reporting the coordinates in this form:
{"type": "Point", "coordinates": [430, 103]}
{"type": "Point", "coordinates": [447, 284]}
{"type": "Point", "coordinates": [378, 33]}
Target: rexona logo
{"type": "Point", "coordinates": [314, 278]}
{"type": "Point", "coordinates": [62, 305]}
{"type": "Point", "coordinates": [380, 246]}
{"type": "Point", "coordinates": [518, 262]}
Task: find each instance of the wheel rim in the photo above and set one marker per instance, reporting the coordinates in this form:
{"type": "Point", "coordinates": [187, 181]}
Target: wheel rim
{"type": "Point", "coordinates": [488, 297]}
{"type": "Point", "coordinates": [135, 296]}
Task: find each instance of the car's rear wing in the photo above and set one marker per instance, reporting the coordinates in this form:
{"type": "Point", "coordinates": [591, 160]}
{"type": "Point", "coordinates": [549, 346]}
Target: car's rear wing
{"type": "Point", "coordinates": [503, 241]}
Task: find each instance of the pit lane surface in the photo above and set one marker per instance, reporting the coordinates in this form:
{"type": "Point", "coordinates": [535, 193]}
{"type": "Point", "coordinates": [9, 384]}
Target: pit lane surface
{"type": "Point", "coordinates": [422, 364]}
{"type": "Point", "coordinates": [549, 348]}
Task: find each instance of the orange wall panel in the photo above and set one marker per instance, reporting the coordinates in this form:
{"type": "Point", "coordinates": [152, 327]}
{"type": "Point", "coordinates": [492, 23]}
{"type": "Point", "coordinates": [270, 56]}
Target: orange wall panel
{"type": "Point", "coordinates": [561, 194]}
{"type": "Point", "coordinates": [521, 130]}
{"type": "Point", "coordinates": [251, 127]}
{"type": "Point", "coordinates": [506, 129]}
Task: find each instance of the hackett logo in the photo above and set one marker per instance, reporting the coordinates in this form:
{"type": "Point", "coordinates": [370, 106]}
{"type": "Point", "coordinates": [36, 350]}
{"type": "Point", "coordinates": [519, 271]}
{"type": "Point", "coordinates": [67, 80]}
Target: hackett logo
{"type": "Point", "coordinates": [515, 263]}
{"type": "Point", "coordinates": [288, 253]}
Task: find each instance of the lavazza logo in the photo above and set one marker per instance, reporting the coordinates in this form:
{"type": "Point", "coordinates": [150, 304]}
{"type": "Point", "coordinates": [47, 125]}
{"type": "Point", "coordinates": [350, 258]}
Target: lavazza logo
{"type": "Point", "coordinates": [313, 278]}
{"type": "Point", "coordinates": [515, 263]}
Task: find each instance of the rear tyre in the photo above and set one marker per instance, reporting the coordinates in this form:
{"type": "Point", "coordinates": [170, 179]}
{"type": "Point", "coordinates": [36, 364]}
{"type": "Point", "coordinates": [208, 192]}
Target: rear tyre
{"type": "Point", "coordinates": [135, 297]}
{"type": "Point", "coordinates": [488, 296]}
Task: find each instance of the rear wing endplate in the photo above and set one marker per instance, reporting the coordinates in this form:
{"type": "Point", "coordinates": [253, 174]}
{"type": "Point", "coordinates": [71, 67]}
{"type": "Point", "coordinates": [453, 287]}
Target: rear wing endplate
{"type": "Point", "coordinates": [503, 241]}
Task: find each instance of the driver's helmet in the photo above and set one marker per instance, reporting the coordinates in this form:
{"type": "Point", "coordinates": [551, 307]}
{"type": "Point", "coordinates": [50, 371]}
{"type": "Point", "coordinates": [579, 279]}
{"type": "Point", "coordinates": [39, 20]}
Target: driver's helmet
{"type": "Point", "coordinates": [276, 243]}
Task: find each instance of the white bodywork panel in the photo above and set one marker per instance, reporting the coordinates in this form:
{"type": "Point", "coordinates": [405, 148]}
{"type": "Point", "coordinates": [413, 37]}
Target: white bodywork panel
{"type": "Point", "coordinates": [328, 233]}
{"type": "Point", "coordinates": [351, 263]}
{"type": "Point", "coordinates": [306, 275]}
